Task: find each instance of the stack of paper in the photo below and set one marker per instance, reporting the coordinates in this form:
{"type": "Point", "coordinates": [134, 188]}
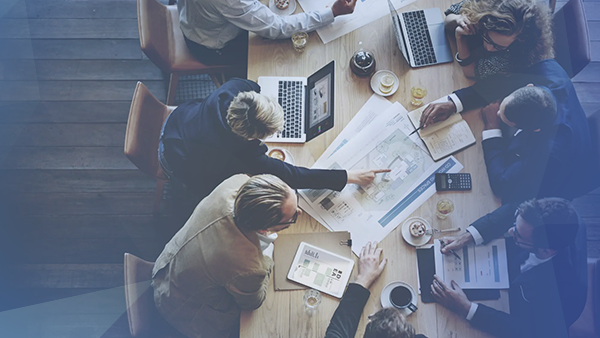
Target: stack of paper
{"type": "Point", "coordinates": [376, 139]}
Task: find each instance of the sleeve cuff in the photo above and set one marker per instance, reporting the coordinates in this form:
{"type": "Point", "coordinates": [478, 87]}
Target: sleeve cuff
{"type": "Point", "coordinates": [472, 311]}
{"type": "Point", "coordinates": [476, 235]}
{"type": "Point", "coordinates": [327, 15]}
{"type": "Point", "coordinates": [491, 133]}
{"type": "Point", "coordinates": [457, 103]}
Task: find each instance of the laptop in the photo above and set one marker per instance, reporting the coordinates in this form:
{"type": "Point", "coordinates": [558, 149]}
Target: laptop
{"type": "Point", "coordinates": [307, 104]}
{"type": "Point", "coordinates": [421, 37]}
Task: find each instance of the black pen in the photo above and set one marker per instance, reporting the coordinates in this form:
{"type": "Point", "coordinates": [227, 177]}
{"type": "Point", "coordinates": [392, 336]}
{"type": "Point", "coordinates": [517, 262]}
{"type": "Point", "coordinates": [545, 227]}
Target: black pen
{"type": "Point", "coordinates": [416, 130]}
{"type": "Point", "coordinates": [451, 251]}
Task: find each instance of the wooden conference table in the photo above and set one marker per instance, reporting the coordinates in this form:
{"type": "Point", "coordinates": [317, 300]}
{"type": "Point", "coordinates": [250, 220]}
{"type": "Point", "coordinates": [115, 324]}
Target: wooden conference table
{"type": "Point", "coordinates": [282, 314]}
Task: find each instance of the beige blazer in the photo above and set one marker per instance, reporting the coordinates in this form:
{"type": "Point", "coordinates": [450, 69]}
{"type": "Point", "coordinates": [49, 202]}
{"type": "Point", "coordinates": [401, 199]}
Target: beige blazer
{"type": "Point", "coordinates": [211, 270]}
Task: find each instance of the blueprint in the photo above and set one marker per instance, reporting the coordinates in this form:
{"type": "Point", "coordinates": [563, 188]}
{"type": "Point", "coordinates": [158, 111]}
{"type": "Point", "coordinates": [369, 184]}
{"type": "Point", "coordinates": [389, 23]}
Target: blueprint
{"type": "Point", "coordinates": [365, 12]}
{"type": "Point", "coordinates": [371, 212]}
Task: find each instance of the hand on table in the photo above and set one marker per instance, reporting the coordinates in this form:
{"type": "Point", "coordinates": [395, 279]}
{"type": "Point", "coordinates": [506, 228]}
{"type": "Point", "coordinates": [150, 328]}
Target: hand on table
{"type": "Point", "coordinates": [364, 177]}
{"type": "Point", "coordinates": [489, 115]}
{"type": "Point", "coordinates": [456, 243]}
{"type": "Point", "coordinates": [436, 112]}
{"type": "Point", "coordinates": [370, 265]}
{"type": "Point", "coordinates": [450, 296]}
{"type": "Point", "coordinates": [343, 7]}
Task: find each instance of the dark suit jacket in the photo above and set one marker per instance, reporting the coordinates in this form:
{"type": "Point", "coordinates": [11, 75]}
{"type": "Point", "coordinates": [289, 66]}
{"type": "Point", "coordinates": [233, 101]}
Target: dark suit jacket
{"type": "Point", "coordinates": [347, 316]}
{"type": "Point", "coordinates": [202, 150]}
{"type": "Point", "coordinates": [556, 162]}
{"type": "Point", "coordinates": [545, 300]}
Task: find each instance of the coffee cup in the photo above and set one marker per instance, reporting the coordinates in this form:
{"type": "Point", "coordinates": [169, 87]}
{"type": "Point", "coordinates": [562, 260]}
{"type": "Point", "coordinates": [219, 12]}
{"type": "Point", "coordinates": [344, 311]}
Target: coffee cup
{"type": "Point", "coordinates": [401, 297]}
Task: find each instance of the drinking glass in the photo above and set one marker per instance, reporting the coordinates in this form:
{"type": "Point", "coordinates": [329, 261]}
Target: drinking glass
{"type": "Point", "coordinates": [444, 208]}
{"type": "Point", "coordinates": [312, 299]}
{"type": "Point", "coordinates": [299, 39]}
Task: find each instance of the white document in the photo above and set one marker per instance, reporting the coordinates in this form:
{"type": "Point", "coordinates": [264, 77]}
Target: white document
{"type": "Point", "coordinates": [479, 266]}
{"type": "Point", "coordinates": [320, 269]}
{"type": "Point", "coordinates": [367, 113]}
{"type": "Point", "coordinates": [370, 213]}
{"type": "Point", "coordinates": [365, 12]}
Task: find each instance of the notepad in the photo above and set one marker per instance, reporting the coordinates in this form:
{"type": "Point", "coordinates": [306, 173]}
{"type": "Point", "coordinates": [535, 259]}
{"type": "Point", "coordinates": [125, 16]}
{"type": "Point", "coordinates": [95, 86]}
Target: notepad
{"type": "Point", "coordinates": [443, 138]}
{"type": "Point", "coordinates": [321, 270]}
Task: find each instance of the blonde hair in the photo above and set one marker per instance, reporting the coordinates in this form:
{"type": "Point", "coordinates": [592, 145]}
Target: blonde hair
{"type": "Point", "coordinates": [254, 116]}
{"type": "Point", "coordinates": [389, 322]}
{"type": "Point", "coordinates": [530, 19]}
{"type": "Point", "coordinates": [259, 202]}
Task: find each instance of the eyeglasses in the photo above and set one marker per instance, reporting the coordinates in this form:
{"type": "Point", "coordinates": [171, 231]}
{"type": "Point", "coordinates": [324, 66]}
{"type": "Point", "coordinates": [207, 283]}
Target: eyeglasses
{"type": "Point", "coordinates": [486, 38]}
{"type": "Point", "coordinates": [517, 237]}
{"type": "Point", "coordinates": [295, 217]}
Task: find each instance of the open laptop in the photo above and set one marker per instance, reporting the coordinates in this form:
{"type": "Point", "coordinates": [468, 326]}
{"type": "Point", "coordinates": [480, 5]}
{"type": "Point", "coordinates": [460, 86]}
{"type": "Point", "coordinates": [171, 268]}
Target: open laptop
{"type": "Point", "coordinates": [307, 104]}
{"type": "Point", "coordinates": [421, 36]}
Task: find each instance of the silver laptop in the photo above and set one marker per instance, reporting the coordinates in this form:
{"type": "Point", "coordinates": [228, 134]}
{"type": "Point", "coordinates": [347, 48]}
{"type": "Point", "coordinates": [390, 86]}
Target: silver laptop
{"type": "Point", "coordinates": [307, 103]}
{"type": "Point", "coordinates": [421, 36]}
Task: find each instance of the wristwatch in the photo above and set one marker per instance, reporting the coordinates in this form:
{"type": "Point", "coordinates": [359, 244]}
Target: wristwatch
{"type": "Point", "coordinates": [465, 62]}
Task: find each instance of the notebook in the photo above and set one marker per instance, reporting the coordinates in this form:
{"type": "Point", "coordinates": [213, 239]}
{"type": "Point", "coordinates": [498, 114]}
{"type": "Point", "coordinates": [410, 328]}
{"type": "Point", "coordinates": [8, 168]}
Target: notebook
{"type": "Point", "coordinates": [446, 137]}
{"type": "Point", "coordinates": [285, 249]}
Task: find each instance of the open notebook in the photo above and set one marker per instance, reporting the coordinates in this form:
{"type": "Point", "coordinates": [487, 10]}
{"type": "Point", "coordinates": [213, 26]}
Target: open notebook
{"type": "Point", "coordinates": [443, 138]}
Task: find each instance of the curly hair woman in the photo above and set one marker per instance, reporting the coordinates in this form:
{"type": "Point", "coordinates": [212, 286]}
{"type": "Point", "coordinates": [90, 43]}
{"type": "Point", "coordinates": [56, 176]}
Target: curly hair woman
{"type": "Point", "coordinates": [500, 36]}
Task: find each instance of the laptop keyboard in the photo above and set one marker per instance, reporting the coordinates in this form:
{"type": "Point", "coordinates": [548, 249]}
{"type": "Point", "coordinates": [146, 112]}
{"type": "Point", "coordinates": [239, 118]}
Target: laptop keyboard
{"type": "Point", "coordinates": [419, 38]}
{"type": "Point", "coordinates": [290, 99]}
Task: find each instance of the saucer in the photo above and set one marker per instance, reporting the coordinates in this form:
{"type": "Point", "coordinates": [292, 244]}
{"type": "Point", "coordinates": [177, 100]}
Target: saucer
{"type": "Point", "coordinates": [284, 12]}
{"type": "Point", "coordinates": [376, 79]}
{"type": "Point", "coordinates": [385, 296]}
{"type": "Point", "coordinates": [289, 159]}
{"type": "Point", "coordinates": [410, 239]}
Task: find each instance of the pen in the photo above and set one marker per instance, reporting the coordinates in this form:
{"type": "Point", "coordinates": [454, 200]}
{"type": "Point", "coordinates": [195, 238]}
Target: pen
{"type": "Point", "coordinates": [416, 130]}
{"type": "Point", "coordinates": [451, 251]}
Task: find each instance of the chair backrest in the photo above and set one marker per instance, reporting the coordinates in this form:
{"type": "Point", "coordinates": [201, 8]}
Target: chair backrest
{"type": "Point", "coordinates": [141, 312]}
{"type": "Point", "coordinates": [588, 324]}
{"type": "Point", "coordinates": [156, 32]}
{"type": "Point", "coordinates": [571, 37]}
{"type": "Point", "coordinates": [146, 117]}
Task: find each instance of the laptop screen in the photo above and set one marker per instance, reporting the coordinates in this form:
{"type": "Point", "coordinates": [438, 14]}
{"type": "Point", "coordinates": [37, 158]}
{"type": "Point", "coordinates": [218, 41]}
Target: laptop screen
{"type": "Point", "coordinates": [398, 30]}
{"type": "Point", "coordinates": [320, 101]}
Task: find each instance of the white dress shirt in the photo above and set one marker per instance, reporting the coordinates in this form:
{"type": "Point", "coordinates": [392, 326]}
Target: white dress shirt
{"type": "Point", "coordinates": [213, 23]}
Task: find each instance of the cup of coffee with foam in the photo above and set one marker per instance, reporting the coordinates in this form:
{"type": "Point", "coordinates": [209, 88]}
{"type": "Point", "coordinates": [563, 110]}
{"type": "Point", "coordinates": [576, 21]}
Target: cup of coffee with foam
{"type": "Point", "coordinates": [401, 297]}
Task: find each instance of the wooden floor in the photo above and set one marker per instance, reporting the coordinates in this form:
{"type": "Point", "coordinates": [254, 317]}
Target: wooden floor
{"type": "Point", "coordinates": [71, 203]}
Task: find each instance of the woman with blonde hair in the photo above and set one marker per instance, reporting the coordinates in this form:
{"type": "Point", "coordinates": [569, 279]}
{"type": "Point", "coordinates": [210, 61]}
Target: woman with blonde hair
{"type": "Point", "coordinates": [205, 142]}
{"type": "Point", "coordinates": [500, 36]}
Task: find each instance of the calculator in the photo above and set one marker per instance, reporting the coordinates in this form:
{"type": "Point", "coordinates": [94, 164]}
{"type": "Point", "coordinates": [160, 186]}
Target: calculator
{"type": "Point", "coordinates": [456, 182]}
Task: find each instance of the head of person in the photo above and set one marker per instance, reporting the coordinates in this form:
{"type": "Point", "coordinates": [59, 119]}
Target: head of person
{"type": "Point", "coordinates": [266, 203]}
{"type": "Point", "coordinates": [529, 108]}
{"type": "Point", "coordinates": [545, 226]}
{"type": "Point", "coordinates": [523, 27]}
{"type": "Point", "coordinates": [254, 116]}
{"type": "Point", "coordinates": [388, 322]}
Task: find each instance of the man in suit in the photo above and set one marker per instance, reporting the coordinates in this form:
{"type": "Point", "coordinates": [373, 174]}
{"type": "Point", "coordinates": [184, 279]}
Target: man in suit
{"type": "Point", "coordinates": [219, 262]}
{"type": "Point", "coordinates": [547, 270]}
{"type": "Point", "coordinates": [556, 162]}
{"type": "Point", "coordinates": [205, 142]}
{"type": "Point", "coordinates": [386, 323]}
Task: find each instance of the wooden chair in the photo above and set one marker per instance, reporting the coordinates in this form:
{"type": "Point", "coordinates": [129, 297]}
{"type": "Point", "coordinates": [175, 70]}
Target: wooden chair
{"type": "Point", "coordinates": [588, 324]}
{"type": "Point", "coordinates": [571, 37]}
{"type": "Point", "coordinates": [162, 41]}
{"type": "Point", "coordinates": [146, 117]}
{"type": "Point", "coordinates": [144, 320]}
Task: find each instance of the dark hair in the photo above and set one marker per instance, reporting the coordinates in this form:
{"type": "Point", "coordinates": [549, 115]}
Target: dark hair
{"type": "Point", "coordinates": [531, 108]}
{"type": "Point", "coordinates": [555, 223]}
{"type": "Point", "coordinates": [389, 323]}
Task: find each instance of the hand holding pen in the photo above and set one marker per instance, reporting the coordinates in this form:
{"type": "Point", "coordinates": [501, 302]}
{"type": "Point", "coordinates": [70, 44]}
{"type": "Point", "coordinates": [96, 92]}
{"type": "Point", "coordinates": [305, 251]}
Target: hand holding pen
{"type": "Point", "coordinates": [448, 250]}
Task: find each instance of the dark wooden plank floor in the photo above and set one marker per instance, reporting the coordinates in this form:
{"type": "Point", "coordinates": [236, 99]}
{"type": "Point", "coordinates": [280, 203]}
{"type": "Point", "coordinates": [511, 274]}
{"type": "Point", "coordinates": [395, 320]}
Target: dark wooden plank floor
{"type": "Point", "coordinates": [71, 203]}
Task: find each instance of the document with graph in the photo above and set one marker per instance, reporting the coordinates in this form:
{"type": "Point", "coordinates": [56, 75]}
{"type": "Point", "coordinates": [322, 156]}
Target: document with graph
{"type": "Point", "coordinates": [476, 267]}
